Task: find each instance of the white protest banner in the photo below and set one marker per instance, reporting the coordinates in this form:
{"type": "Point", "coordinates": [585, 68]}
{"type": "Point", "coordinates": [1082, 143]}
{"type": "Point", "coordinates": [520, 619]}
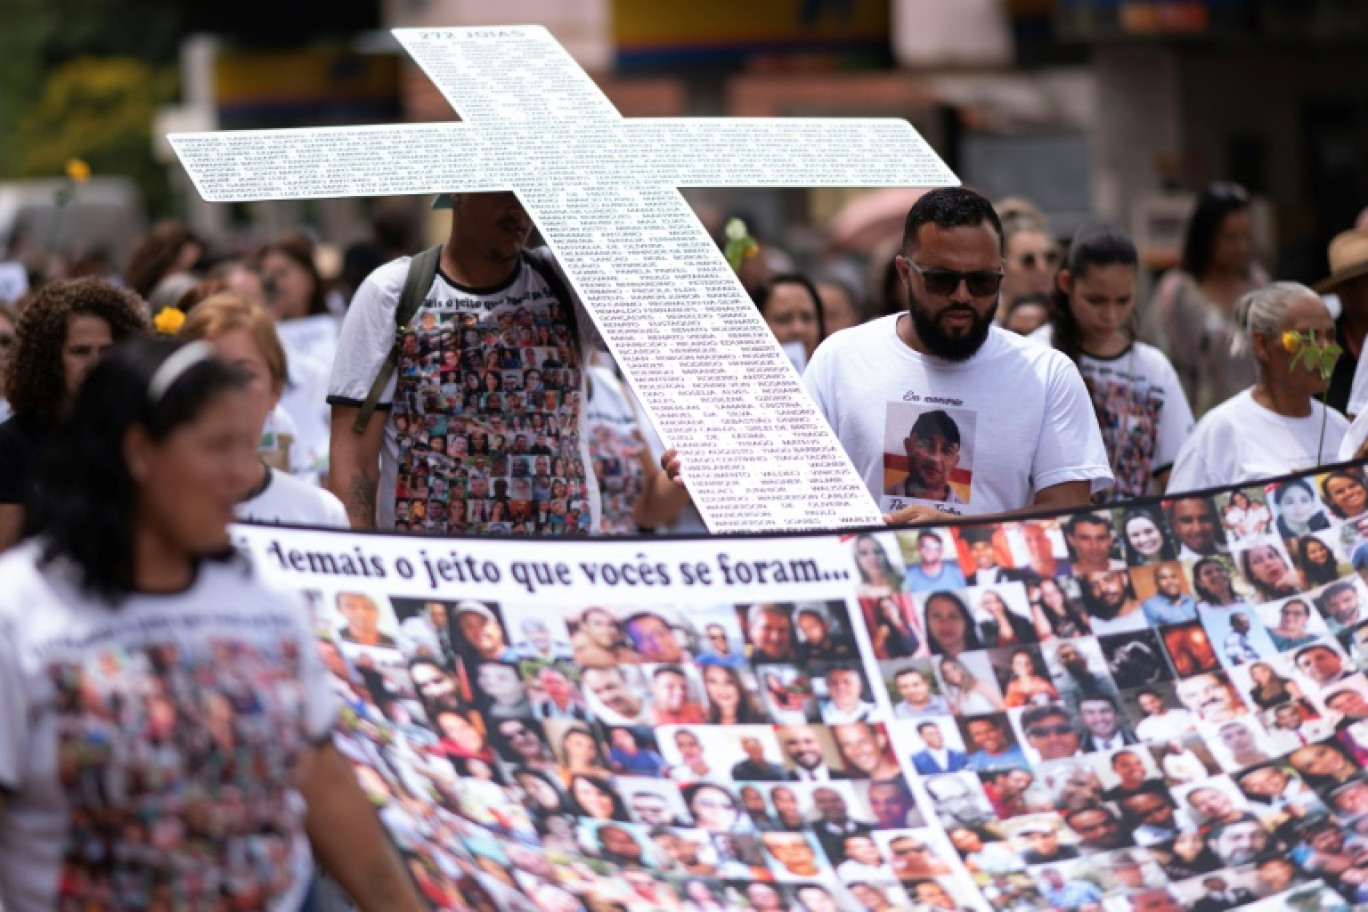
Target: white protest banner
{"type": "Point", "coordinates": [310, 345]}
{"type": "Point", "coordinates": [310, 337]}
{"type": "Point", "coordinates": [13, 281]}
{"type": "Point", "coordinates": [604, 193]}
{"type": "Point", "coordinates": [1115, 707]}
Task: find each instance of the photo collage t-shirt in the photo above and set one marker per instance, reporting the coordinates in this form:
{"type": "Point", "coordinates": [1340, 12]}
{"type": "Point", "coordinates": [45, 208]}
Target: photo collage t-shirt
{"type": "Point", "coordinates": [484, 432]}
{"type": "Point", "coordinates": [616, 445]}
{"type": "Point", "coordinates": [151, 751]}
{"type": "Point", "coordinates": [969, 438]}
{"type": "Point", "coordinates": [1141, 408]}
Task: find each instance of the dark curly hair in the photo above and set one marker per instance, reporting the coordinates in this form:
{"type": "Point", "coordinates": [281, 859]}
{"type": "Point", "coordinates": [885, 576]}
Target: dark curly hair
{"type": "Point", "coordinates": [34, 382]}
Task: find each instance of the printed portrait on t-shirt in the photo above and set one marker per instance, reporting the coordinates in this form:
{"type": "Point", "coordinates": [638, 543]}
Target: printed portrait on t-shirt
{"type": "Point", "coordinates": [928, 456]}
{"type": "Point", "coordinates": [1128, 405]}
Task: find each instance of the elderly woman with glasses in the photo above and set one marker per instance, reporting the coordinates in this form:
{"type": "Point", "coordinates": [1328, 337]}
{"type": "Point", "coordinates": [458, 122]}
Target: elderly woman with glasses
{"type": "Point", "coordinates": [1276, 426]}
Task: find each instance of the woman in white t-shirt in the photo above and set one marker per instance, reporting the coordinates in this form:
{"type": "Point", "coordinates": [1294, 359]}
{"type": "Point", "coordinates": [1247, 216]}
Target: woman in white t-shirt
{"type": "Point", "coordinates": [1139, 401]}
{"type": "Point", "coordinates": [634, 494]}
{"type": "Point", "coordinates": [1276, 426]}
{"type": "Point", "coordinates": [151, 686]}
{"type": "Point", "coordinates": [244, 336]}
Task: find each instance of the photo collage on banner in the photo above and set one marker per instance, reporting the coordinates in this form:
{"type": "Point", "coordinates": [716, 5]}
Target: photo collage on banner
{"type": "Point", "coordinates": [736, 754]}
{"type": "Point", "coordinates": [1155, 706]}
{"type": "Point", "coordinates": [1149, 707]}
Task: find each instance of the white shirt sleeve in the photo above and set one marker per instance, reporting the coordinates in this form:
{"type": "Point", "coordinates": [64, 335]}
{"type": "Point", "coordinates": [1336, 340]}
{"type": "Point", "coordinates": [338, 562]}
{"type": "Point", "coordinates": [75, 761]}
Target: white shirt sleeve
{"type": "Point", "coordinates": [1190, 469]}
{"type": "Point", "coordinates": [1070, 447]}
{"type": "Point", "coordinates": [334, 513]}
{"type": "Point", "coordinates": [1358, 431]}
{"type": "Point", "coordinates": [814, 379]}
{"type": "Point", "coordinates": [1175, 419]}
{"type": "Point", "coordinates": [14, 713]}
{"type": "Point", "coordinates": [367, 336]}
{"type": "Point", "coordinates": [1358, 392]}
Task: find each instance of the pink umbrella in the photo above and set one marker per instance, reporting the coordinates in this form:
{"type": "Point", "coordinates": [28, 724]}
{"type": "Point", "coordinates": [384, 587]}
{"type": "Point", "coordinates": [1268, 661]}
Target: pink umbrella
{"type": "Point", "coordinates": [871, 219]}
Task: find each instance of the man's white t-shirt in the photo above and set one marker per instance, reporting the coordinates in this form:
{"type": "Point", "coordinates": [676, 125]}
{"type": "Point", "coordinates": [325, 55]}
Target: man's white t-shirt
{"type": "Point", "coordinates": [1358, 390]}
{"type": "Point", "coordinates": [1241, 441]}
{"type": "Point", "coordinates": [1023, 416]}
{"type": "Point", "coordinates": [1357, 433]}
{"type": "Point", "coordinates": [1141, 407]}
{"type": "Point", "coordinates": [115, 722]}
{"type": "Point", "coordinates": [503, 336]}
{"type": "Point", "coordinates": [288, 500]}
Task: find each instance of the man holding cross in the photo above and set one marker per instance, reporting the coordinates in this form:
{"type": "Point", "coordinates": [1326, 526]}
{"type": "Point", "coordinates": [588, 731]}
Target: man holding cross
{"type": "Point", "coordinates": [495, 320]}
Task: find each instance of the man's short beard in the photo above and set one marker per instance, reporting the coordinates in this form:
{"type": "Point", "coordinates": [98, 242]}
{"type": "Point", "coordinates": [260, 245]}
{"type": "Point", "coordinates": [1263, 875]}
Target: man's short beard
{"type": "Point", "coordinates": [943, 345]}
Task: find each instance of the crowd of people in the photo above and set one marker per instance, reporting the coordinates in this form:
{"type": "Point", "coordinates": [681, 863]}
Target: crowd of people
{"type": "Point", "coordinates": [1152, 699]}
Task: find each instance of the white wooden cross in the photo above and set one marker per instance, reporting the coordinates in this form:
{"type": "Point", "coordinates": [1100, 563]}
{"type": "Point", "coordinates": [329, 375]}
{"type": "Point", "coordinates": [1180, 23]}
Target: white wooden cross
{"type": "Point", "coordinates": [603, 191]}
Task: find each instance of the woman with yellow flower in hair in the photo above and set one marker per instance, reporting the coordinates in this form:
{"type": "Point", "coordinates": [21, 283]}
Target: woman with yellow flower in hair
{"type": "Point", "coordinates": [1276, 426]}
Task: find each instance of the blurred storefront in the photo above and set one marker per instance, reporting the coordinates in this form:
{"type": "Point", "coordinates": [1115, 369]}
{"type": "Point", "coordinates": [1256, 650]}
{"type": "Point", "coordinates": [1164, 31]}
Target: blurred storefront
{"type": "Point", "coordinates": [1115, 107]}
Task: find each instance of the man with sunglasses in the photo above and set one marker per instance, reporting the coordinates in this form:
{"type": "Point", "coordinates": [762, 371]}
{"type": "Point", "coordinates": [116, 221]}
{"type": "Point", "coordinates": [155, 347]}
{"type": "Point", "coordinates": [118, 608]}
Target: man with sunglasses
{"type": "Point", "coordinates": [1007, 425]}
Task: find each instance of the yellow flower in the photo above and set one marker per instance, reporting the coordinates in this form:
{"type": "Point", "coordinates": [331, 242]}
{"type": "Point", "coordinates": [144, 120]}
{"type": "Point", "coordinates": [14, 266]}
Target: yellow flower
{"type": "Point", "coordinates": [77, 171]}
{"type": "Point", "coordinates": [169, 321]}
{"type": "Point", "coordinates": [1291, 342]}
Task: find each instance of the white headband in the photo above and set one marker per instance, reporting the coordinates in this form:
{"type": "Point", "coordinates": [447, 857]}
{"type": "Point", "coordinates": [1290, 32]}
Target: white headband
{"type": "Point", "coordinates": [174, 367]}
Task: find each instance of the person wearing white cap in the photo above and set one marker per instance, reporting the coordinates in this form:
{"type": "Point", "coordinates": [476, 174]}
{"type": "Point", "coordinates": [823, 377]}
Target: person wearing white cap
{"type": "Point", "coordinates": [482, 633]}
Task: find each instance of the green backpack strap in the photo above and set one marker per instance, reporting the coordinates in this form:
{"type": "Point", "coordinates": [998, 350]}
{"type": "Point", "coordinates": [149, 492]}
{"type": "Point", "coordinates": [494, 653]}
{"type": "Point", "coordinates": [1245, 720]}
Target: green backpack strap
{"type": "Point", "coordinates": [421, 271]}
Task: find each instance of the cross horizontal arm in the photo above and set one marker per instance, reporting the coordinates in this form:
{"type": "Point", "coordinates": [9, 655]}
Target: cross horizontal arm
{"type": "Point", "coordinates": [789, 152]}
{"type": "Point", "coordinates": [331, 162]}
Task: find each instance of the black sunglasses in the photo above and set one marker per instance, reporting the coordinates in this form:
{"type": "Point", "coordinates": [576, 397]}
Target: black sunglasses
{"type": "Point", "coordinates": [943, 282]}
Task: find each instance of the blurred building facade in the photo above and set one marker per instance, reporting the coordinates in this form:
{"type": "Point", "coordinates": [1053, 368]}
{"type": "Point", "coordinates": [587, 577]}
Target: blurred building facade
{"type": "Point", "coordinates": [1119, 108]}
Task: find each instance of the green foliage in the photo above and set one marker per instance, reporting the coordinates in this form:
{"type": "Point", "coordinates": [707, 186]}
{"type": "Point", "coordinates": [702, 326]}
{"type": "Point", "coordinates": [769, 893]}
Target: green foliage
{"type": "Point", "coordinates": [1316, 358]}
{"type": "Point", "coordinates": [1319, 359]}
{"type": "Point", "coordinates": [740, 244]}
{"type": "Point", "coordinates": [100, 110]}
{"type": "Point", "coordinates": [42, 39]}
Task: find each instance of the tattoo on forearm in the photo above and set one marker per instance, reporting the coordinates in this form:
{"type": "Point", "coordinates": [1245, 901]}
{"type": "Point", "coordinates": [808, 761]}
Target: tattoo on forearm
{"type": "Point", "coordinates": [361, 498]}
